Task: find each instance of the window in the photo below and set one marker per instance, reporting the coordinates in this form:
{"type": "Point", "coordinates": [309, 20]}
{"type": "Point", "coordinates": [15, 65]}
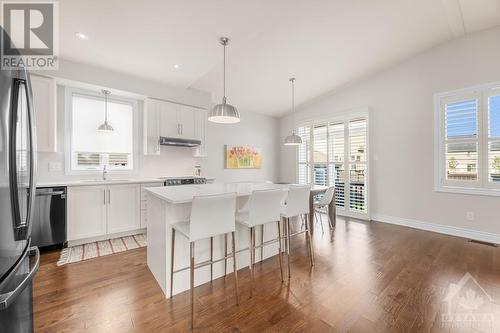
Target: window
{"type": "Point", "coordinates": [468, 141]}
{"type": "Point", "coordinates": [90, 149]}
{"type": "Point", "coordinates": [321, 160]}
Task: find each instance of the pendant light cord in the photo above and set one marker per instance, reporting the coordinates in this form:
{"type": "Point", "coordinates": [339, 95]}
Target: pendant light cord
{"type": "Point", "coordinates": [224, 92]}
{"type": "Point", "coordinates": [106, 106]}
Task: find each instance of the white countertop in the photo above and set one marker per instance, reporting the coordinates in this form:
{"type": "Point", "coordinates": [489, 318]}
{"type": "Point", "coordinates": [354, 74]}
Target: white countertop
{"type": "Point", "coordinates": [97, 182]}
{"type": "Point", "coordinates": [186, 193]}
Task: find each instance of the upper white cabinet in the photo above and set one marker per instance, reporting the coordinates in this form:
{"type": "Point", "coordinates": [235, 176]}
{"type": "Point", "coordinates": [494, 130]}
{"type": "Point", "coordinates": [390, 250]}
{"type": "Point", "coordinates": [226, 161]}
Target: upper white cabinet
{"type": "Point", "coordinates": [170, 124]}
{"type": "Point", "coordinates": [44, 103]}
{"type": "Point", "coordinates": [174, 121]}
{"type": "Point", "coordinates": [151, 124]}
{"type": "Point", "coordinates": [185, 115]}
{"type": "Point", "coordinates": [200, 118]}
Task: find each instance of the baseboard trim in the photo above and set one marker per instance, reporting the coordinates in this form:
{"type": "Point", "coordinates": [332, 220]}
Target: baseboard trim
{"type": "Point", "coordinates": [75, 242]}
{"type": "Point", "coordinates": [439, 228]}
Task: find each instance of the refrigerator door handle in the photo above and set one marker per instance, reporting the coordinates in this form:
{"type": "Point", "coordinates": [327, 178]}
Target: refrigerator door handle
{"type": "Point", "coordinates": [8, 298]}
{"type": "Point", "coordinates": [33, 157]}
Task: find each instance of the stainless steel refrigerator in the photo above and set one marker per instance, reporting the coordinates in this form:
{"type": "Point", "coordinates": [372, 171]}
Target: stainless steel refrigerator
{"type": "Point", "coordinates": [17, 194]}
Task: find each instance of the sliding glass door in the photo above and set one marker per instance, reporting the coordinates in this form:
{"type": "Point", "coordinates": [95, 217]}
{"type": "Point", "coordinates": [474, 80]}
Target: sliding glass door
{"type": "Point", "coordinates": [335, 153]}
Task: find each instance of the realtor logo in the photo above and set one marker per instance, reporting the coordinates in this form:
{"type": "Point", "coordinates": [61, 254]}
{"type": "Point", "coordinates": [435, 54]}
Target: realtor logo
{"type": "Point", "coordinates": [30, 37]}
{"type": "Point", "coordinates": [467, 305]}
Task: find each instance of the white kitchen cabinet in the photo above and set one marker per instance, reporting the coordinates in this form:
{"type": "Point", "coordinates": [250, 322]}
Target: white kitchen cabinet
{"type": "Point", "coordinates": [170, 125]}
{"type": "Point", "coordinates": [200, 129]}
{"type": "Point", "coordinates": [86, 212]}
{"type": "Point", "coordinates": [186, 120]}
{"type": "Point", "coordinates": [123, 207]}
{"type": "Point", "coordinates": [151, 124]}
{"type": "Point", "coordinates": [44, 102]}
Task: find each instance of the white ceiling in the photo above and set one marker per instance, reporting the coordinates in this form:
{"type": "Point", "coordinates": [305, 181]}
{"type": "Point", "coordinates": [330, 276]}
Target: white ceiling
{"type": "Point", "coordinates": [325, 44]}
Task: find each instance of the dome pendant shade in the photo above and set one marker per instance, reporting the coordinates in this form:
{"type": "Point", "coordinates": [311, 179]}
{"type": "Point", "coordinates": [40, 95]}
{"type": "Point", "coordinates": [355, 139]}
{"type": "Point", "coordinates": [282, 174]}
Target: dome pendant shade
{"type": "Point", "coordinates": [105, 127]}
{"type": "Point", "coordinates": [293, 140]}
{"type": "Point", "coordinates": [224, 113]}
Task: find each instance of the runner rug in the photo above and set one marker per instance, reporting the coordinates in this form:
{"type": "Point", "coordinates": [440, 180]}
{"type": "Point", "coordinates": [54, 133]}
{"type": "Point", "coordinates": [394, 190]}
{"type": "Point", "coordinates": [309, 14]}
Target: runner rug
{"type": "Point", "coordinates": [99, 249]}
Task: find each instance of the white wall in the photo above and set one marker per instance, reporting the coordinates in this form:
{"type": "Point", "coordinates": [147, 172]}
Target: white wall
{"type": "Point", "coordinates": [400, 101]}
{"type": "Point", "coordinates": [255, 129]}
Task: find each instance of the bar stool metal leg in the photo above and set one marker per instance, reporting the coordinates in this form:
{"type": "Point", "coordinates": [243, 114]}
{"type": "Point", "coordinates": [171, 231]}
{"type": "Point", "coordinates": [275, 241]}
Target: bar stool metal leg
{"type": "Point", "coordinates": [321, 221]}
{"type": "Point", "coordinates": [279, 249]}
{"type": "Point", "coordinates": [172, 256]}
{"type": "Point", "coordinates": [309, 240]}
{"type": "Point", "coordinates": [261, 243]}
{"type": "Point", "coordinates": [250, 266]}
{"type": "Point", "coordinates": [235, 268]}
{"type": "Point", "coordinates": [191, 271]}
{"type": "Point", "coordinates": [288, 231]}
{"type": "Point", "coordinates": [225, 255]}
{"type": "Point", "coordinates": [211, 259]}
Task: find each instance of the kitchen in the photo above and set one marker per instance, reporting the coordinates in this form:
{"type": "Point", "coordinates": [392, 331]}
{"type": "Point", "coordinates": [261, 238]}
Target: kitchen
{"type": "Point", "coordinates": [171, 166]}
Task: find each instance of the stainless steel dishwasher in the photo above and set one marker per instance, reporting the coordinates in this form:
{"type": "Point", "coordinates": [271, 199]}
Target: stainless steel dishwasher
{"type": "Point", "coordinates": [49, 217]}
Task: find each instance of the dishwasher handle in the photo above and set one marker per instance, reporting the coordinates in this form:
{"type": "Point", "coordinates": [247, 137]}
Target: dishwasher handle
{"type": "Point", "coordinates": [49, 192]}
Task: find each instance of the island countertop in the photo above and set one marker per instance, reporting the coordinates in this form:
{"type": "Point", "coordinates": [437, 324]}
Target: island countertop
{"type": "Point", "coordinates": [186, 193]}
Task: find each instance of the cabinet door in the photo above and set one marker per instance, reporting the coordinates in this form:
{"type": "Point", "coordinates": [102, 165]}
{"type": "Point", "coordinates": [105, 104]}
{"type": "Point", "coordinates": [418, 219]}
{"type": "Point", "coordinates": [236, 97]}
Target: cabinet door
{"type": "Point", "coordinates": [86, 212]}
{"type": "Point", "coordinates": [200, 131]}
{"type": "Point", "coordinates": [170, 126]}
{"type": "Point", "coordinates": [123, 207]}
{"type": "Point", "coordinates": [44, 103]}
{"type": "Point", "coordinates": [151, 127]}
{"type": "Point", "coordinates": [187, 120]}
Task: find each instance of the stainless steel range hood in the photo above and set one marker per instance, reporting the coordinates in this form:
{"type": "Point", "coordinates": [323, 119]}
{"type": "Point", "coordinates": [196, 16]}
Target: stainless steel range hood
{"type": "Point", "coordinates": [166, 141]}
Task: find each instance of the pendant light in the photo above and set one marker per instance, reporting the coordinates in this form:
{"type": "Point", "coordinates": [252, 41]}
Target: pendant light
{"type": "Point", "coordinates": [224, 113]}
{"type": "Point", "coordinates": [105, 127]}
{"type": "Point", "coordinates": [294, 139]}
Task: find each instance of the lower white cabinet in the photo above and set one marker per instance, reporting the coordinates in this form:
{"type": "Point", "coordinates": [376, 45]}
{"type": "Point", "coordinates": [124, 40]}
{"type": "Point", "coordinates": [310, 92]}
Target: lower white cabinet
{"type": "Point", "coordinates": [95, 211]}
{"type": "Point", "coordinates": [123, 207]}
{"type": "Point", "coordinates": [86, 212]}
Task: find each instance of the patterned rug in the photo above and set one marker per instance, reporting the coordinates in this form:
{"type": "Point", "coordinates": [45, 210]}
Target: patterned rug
{"type": "Point", "coordinates": [98, 249]}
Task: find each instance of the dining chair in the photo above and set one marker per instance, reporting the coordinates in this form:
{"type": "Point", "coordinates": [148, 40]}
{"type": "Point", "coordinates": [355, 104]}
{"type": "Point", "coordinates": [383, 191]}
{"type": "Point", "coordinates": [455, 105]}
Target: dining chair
{"type": "Point", "coordinates": [321, 207]}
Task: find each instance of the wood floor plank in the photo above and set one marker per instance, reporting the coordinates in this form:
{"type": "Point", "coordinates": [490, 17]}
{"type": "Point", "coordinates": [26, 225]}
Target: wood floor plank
{"type": "Point", "coordinates": [368, 277]}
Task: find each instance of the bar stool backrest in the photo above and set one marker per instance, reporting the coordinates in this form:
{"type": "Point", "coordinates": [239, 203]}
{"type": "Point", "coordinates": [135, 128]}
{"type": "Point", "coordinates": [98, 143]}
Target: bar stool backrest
{"type": "Point", "coordinates": [328, 197]}
{"type": "Point", "coordinates": [297, 202]}
{"type": "Point", "coordinates": [265, 206]}
{"type": "Point", "coordinates": [212, 215]}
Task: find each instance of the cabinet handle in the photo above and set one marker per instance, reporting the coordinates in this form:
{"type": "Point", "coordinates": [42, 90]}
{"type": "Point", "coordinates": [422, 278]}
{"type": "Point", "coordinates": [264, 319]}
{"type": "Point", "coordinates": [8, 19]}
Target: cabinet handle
{"type": "Point", "coordinates": [109, 197]}
{"type": "Point", "coordinates": [104, 196]}
{"type": "Point", "coordinates": [182, 128]}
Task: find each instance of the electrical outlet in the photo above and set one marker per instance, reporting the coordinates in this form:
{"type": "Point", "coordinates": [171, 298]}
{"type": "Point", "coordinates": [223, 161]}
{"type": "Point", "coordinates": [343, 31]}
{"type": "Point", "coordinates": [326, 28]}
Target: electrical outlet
{"type": "Point", "coordinates": [469, 216]}
{"type": "Point", "coordinates": [55, 166]}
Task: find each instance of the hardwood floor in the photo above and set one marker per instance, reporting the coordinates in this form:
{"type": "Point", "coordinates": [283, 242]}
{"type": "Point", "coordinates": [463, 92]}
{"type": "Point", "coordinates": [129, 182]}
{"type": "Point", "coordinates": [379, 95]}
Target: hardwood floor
{"type": "Point", "coordinates": [368, 277]}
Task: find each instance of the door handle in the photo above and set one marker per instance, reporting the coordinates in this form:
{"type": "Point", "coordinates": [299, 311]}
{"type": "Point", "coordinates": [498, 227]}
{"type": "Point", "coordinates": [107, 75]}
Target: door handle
{"type": "Point", "coordinates": [8, 298]}
{"type": "Point", "coordinates": [109, 197]}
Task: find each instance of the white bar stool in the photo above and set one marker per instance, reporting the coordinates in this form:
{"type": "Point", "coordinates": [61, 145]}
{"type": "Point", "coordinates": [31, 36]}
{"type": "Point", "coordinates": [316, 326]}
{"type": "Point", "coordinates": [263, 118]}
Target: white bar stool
{"type": "Point", "coordinates": [297, 204]}
{"type": "Point", "coordinates": [263, 207]}
{"type": "Point", "coordinates": [211, 215]}
{"type": "Point", "coordinates": [323, 204]}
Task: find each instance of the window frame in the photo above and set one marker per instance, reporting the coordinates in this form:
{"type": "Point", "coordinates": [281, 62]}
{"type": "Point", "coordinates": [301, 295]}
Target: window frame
{"type": "Point", "coordinates": [68, 112]}
{"type": "Point", "coordinates": [481, 186]}
{"type": "Point", "coordinates": [345, 118]}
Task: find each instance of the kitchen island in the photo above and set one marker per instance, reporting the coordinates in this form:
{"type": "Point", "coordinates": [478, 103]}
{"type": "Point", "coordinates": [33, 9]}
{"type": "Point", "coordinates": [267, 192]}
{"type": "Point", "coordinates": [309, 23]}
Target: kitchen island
{"type": "Point", "coordinates": [169, 205]}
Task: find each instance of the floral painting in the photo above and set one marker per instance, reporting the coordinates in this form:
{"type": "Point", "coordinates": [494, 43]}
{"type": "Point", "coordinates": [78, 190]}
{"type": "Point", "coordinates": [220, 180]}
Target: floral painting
{"type": "Point", "coordinates": [240, 157]}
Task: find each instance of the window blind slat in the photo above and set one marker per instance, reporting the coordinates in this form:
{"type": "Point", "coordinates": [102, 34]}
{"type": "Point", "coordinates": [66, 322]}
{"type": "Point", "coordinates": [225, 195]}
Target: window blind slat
{"type": "Point", "coordinates": [461, 119]}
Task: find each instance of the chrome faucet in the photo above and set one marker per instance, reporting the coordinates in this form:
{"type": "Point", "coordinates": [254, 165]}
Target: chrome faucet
{"type": "Point", "coordinates": [104, 173]}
